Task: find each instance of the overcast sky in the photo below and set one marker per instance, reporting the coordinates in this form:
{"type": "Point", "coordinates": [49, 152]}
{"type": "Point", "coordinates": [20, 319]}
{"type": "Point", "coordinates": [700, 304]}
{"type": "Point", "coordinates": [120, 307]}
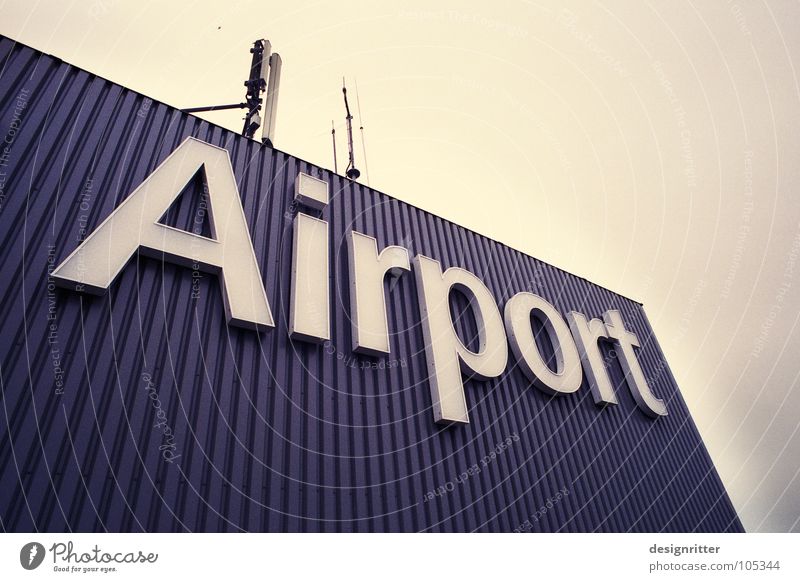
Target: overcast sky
{"type": "Point", "coordinates": [651, 147]}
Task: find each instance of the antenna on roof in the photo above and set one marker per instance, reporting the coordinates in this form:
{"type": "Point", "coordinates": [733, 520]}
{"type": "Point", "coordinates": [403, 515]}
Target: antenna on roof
{"type": "Point", "coordinates": [273, 85]}
{"type": "Point", "coordinates": [351, 171]}
{"type": "Point", "coordinates": [333, 137]}
{"type": "Point", "coordinates": [361, 128]}
{"type": "Point", "coordinates": [265, 75]}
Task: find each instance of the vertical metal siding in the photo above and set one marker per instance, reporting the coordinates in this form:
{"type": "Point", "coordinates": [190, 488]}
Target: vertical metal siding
{"type": "Point", "coordinates": [276, 435]}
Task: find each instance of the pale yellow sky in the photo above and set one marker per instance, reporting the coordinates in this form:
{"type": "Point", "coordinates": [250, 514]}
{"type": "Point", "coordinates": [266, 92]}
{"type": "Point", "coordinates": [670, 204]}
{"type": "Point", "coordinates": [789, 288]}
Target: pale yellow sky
{"type": "Point", "coordinates": [650, 147]}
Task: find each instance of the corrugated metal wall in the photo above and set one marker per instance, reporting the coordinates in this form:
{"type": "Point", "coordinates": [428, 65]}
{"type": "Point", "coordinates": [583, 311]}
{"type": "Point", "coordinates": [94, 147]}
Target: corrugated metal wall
{"type": "Point", "coordinates": [275, 435]}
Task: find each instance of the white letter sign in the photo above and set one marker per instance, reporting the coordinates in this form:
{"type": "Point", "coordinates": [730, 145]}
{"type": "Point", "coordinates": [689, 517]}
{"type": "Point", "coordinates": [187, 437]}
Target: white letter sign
{"type": "Point", "coordinates": [446, 355]}
{"type": "Point", "coordinates": [134, 225]}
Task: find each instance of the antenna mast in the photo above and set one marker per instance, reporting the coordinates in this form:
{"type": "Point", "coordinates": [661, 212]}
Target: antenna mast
{"type": "Point", "coordinates": [333, 137]}
{"type": "Point", "coordinates": [265, 75]}
{"type": "Point", "coordinates": [351, 171]}
{"type": "Point", "coordinates": [361, 129]}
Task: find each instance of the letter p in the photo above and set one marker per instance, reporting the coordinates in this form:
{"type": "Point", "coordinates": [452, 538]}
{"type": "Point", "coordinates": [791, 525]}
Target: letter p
{"type": "Point", "coordinates": [447, 357]}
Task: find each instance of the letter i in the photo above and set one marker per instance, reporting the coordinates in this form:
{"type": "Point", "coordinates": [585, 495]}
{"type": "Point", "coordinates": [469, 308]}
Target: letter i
{"type": "Point", "coordinates": [309, 312]}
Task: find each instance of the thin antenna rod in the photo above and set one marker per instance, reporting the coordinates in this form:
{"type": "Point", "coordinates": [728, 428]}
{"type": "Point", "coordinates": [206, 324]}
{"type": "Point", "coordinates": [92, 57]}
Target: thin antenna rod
{"type": "Point", "coordinates": [351, 172]}
{"type": "Point", "coordinates": [333, 137]}
{"type": "Point", "coordinates": [361, 128]}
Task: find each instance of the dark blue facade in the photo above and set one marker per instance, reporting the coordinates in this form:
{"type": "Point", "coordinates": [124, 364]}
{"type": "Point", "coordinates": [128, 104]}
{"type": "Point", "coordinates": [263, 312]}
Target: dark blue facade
{"type": "Point", "coordinates": [266, 434]}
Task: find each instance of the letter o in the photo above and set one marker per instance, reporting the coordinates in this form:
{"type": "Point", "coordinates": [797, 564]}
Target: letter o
{"type": "Point", "coordinates": [568, 374]}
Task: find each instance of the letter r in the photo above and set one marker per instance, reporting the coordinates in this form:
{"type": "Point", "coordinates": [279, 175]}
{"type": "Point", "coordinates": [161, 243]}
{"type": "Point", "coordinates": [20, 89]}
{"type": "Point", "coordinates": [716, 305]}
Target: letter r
{"type": "Point", "coordinates": [369, 323]}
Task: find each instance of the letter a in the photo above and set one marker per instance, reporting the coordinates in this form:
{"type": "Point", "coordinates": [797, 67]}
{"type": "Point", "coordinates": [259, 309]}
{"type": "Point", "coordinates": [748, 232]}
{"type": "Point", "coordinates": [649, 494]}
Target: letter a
{"type": "Point", "coordinates": [134, 226]}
